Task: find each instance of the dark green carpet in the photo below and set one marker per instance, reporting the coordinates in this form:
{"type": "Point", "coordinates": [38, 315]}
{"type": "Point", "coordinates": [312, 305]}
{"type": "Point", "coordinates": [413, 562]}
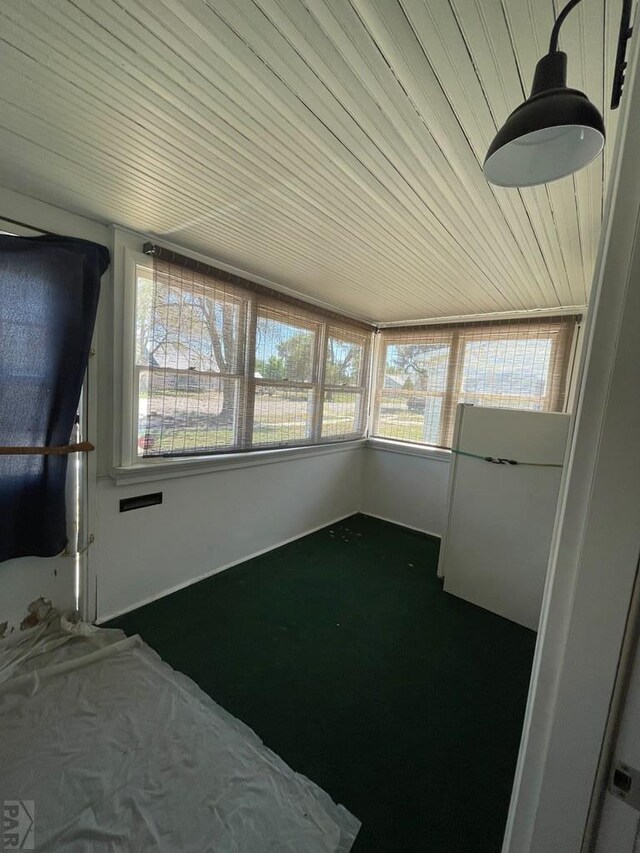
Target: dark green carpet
{"type": "Point", "coordinates": [344, 654]}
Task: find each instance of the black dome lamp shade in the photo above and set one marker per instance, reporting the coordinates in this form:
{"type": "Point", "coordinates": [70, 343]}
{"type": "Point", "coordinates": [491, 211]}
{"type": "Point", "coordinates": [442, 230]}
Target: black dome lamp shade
{"type": "Point", "coordinates": [554, 133]}
{"type": "Point", "coordinates": [557, 130]}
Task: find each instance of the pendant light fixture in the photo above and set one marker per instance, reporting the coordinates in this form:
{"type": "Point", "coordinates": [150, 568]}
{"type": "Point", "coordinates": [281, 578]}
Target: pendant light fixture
{"type": "Point", "coordinates": [557, 130]}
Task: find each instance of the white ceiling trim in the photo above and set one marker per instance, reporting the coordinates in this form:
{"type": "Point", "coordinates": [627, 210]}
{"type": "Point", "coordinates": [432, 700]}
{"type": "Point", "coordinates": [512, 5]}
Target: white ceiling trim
{"type": "Point", "coordinates": [497, 315]}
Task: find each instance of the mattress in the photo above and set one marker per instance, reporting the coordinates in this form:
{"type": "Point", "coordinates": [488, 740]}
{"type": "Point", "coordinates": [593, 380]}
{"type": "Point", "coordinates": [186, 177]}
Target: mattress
{"type": "Point", "coordinates": [108, 748]}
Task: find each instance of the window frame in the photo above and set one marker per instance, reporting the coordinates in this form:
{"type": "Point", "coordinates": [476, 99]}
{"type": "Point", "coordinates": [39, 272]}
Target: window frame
{"type": "Point", "coordinates": [378, 390]}
{"type": "Point", "coordinates": [130, 466]}
{"type": "Point", "coordinates": [456, 338]}
{"type": "Point", "coordinates": [362, 388]}
{"type": "Point", "coordinates": [240, 355]}
{"type": "Point", "coordinates": [313, 385]}
{"type": "Point", "coordinates": [248, 383]}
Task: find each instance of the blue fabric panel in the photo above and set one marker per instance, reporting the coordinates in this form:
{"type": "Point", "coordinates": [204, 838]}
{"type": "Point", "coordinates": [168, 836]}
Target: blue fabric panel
{"type": "Point", "coordinates": [49, 288]}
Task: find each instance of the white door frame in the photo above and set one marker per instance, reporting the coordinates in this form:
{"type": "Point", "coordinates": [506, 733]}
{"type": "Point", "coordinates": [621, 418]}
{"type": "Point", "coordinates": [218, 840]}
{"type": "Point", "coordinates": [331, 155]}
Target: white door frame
{"type": "Point", "coordinates": [596, 542]}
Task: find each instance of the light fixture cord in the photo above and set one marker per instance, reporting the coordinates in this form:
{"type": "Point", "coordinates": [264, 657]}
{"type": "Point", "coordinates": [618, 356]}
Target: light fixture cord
{"type": "Point", "coordinates": [553, 43]}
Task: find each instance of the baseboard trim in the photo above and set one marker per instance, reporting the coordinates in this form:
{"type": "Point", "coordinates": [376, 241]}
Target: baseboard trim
{"type": "Point", "coordinates": [114, 614]}
{"type": "Point", "coordinates": [401, 524]}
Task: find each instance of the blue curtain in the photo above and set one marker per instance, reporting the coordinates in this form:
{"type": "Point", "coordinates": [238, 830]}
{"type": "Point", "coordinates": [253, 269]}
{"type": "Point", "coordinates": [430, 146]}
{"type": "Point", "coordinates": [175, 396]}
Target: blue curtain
{"type": "Point", "coordinates": [49, 289]}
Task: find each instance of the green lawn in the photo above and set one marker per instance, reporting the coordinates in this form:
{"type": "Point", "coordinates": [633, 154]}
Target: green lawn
{"type": "Point", "coordinates": [409, 428]}
{"type": "Point", "coordinates": [278, 418]}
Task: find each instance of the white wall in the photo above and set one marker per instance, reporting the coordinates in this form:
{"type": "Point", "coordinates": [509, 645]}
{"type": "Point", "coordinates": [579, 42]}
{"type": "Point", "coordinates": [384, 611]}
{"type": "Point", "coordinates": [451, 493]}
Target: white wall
{"type": "Point", "coordinates": [209, 521]}
{"type": "Point", "coordinates": [406, 486]}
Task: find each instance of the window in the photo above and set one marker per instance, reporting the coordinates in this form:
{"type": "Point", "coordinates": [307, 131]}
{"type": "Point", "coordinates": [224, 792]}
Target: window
{"type": "Point", "coordinates": [222, 364]}
{"type": "Point", "coordinates": [425, 372]}
{"type": "Point", "coordinates": [286, 378]}
{"type": "Point", "coordinates": [345, 375]}
{"type": "Point", "coordinates": [190, 363]}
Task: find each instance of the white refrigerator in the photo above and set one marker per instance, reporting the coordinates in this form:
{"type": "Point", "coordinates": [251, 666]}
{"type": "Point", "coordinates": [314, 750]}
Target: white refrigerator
{"type": "Point", "coordinates": [497, 539]}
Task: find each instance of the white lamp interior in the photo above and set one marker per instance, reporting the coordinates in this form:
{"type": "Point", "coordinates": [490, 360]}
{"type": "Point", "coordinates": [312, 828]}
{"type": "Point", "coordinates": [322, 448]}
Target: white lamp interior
{"type": "Point", "coordinates": [543, 155]}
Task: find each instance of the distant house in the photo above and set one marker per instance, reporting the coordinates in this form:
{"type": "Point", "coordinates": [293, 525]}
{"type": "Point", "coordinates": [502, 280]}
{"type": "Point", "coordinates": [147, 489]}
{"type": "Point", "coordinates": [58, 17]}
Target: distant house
{"type": "Point", "coordinates": [426, 371]}
{"type": "Point", "coordinates": [177, 357]}
{"type": "Point", "coordinates": [172, 357]}
{"type": "Point", "coordinates": [396, 382]}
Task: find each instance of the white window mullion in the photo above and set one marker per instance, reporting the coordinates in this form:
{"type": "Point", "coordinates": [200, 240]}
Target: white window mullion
{"type": "Point", "coordinates": [248, 385]}
{"type": "Point", "coordinates": [319, 373]}
{"type": "Point", "coordinates": [372, 402]}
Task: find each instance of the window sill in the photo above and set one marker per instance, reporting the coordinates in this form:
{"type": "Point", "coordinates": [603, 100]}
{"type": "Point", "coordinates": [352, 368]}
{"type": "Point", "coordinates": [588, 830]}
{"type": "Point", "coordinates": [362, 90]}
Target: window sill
{"type": "Point", "coordinates": [422, 450]}
{"type": "Point", "coordinates": [164, 469]}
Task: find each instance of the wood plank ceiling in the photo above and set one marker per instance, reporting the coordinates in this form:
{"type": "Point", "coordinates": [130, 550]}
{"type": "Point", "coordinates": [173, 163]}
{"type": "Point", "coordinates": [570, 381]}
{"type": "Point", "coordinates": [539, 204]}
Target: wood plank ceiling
{"type": "Point", "coordinates": [333, 146]}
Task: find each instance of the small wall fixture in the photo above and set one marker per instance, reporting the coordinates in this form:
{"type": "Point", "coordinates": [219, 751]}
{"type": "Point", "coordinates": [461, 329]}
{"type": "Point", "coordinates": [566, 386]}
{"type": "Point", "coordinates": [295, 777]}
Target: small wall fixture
{"type": "Point", "coordinates": [557, 130]}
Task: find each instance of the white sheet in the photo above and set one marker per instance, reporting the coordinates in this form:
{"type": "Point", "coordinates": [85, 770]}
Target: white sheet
{"type": "Point", "coordinates": [121, 753]}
